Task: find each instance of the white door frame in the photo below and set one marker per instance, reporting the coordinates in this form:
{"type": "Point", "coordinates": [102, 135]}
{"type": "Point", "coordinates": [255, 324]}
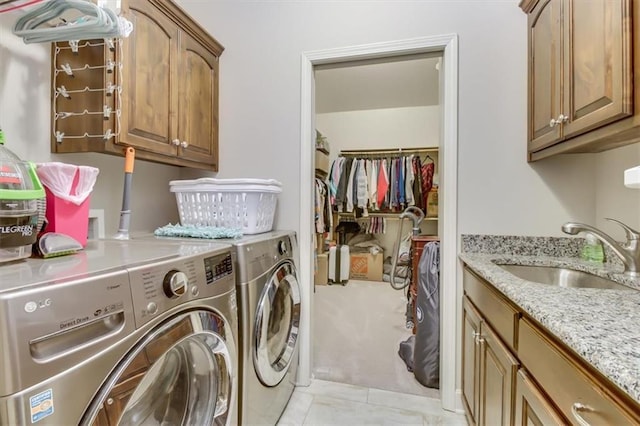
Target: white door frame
{"type": "Point", "coordinates": [448, 228]}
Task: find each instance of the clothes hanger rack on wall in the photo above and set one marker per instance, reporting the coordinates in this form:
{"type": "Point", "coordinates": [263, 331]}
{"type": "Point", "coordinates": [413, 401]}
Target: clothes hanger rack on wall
{"type": "Point", "coordinates": [86, 96]}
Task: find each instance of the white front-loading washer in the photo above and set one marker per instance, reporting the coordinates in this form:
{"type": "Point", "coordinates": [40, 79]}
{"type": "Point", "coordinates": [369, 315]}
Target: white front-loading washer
{"type": "Point", "coordinates": [124, 332]}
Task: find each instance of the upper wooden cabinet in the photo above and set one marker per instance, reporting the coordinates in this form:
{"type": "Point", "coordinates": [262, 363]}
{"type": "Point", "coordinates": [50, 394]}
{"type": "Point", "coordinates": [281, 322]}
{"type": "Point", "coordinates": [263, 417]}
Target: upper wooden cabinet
{"type": "Point", "coordinates": [581, 75]}
{"type": "Point", "coordinates": [168, 105]}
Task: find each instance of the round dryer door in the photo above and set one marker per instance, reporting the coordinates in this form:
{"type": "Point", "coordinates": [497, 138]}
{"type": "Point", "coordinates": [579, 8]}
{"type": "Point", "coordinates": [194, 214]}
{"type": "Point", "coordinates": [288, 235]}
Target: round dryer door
{"type": "Point", "coordinates": [276, 326]}
{"type": "Point", "coordinates": [181, 374]}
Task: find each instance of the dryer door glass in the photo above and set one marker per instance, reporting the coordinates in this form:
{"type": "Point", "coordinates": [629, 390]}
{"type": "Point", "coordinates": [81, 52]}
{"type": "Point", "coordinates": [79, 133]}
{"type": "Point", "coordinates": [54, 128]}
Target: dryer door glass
{"type": "Point", "coordinates": [180, 375]}
{"type": "Point", "coordinates": [276, 327]}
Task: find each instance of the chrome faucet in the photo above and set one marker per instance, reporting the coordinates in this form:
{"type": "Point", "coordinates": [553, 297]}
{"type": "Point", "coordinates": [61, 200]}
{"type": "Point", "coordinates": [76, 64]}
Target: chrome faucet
{"type": "Point", "coordinates": [628, 252]}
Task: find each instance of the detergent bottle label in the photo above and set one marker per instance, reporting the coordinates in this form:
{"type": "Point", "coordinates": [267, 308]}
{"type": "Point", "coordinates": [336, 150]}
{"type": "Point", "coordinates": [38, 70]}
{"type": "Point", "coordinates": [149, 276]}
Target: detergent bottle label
{"type": "Point", "coordinates": [9, 177]}
{"type": "Point", "coordinates": [18, 231]}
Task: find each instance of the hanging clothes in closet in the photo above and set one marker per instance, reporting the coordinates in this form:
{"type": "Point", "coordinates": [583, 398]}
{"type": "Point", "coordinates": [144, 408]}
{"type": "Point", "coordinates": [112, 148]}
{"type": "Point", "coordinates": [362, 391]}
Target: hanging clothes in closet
{"type": "Point", "coordinates": [322, 213]}
{"type": "Point", "coordinates": [372, 225]}
{"type": "Point", "coordinates": [389, 183]}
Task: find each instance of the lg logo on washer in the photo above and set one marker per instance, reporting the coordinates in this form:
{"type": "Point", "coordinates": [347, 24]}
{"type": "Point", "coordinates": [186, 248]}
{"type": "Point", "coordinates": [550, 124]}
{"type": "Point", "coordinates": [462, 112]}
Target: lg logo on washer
{"type": "Point", "coordinates": [31, 306]}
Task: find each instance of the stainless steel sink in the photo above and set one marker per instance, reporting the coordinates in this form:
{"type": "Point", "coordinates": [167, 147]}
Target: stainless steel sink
{"type": "Point", "coordinates": [562, 277]}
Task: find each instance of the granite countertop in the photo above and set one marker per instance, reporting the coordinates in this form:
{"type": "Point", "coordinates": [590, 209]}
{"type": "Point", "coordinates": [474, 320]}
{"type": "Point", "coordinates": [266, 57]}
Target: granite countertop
{"type": "Point", "coordinates": [601, 325]}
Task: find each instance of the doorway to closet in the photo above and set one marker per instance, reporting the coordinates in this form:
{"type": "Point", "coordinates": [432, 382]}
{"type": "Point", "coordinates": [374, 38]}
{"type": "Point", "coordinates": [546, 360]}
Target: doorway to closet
{"type": "Point", "coordinates": [447, 44]}
{"type": "Point", "coordinates": [384, 112]}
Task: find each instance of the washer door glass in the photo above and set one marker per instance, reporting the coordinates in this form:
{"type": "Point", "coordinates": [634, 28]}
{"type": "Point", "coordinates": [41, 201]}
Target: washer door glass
{"type": "Point", "coordinates": [276, 327]}
{"type": "Point", "coordinates": [180, 375]}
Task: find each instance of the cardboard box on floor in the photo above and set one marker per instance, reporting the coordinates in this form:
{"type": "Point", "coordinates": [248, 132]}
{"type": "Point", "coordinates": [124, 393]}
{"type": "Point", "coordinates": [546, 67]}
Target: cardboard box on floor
{"type": "Point", "coordinates": [322, 273]}
{"type": "Point", "coordinates": [366, 266]}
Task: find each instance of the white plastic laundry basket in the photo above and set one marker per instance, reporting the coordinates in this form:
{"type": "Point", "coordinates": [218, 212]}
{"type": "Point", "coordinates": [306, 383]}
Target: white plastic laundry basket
{"type": "Point", "coordinates": [246, 204]}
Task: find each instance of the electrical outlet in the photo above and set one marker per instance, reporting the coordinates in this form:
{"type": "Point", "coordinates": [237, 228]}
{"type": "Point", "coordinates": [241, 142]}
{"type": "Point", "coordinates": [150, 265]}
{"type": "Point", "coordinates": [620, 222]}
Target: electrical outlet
{"type": "Point", "coordinates": [96, 224]}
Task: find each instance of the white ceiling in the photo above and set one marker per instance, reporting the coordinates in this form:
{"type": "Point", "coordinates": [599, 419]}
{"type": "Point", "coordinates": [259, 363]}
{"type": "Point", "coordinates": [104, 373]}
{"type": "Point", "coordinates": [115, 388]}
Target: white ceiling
{"type": "Point", "coordinates": [392, 83]}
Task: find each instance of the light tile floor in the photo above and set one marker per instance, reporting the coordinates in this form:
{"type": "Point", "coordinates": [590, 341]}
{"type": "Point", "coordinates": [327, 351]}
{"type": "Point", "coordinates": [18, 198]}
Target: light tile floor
{"type": "Point", "coordinates": [329, 403]}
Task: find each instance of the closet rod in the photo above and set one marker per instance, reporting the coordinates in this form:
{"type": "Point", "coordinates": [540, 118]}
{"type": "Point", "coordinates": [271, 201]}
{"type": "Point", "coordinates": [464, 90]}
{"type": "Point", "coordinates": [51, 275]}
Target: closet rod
{"type": "Point", "coordinates": [397, 151]}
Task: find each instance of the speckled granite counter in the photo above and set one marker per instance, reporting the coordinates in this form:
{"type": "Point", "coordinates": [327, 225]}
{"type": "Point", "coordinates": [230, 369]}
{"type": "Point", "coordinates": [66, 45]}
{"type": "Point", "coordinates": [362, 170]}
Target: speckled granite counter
{"type": "Point", "coordinates": [602, 326]}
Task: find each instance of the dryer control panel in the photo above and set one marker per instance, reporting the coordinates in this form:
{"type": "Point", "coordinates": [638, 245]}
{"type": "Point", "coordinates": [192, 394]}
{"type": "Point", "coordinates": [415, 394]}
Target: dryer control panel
{"type": "Point", "coordinates": [159, 287]}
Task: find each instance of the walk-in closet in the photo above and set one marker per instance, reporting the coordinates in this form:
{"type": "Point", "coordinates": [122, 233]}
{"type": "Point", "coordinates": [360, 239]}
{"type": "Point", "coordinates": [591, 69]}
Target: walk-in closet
{"type": "Point", "coordinates": [377, 154]}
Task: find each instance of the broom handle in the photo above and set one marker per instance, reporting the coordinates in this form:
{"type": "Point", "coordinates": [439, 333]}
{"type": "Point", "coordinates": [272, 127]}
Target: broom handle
{"type": "Point", "coordinates": [125, 214]}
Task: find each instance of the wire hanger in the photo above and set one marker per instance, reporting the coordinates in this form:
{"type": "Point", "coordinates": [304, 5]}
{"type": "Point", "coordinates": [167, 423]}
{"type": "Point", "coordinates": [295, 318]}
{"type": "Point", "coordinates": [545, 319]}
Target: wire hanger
{"type": "Point", "coordinates": [93, 22]}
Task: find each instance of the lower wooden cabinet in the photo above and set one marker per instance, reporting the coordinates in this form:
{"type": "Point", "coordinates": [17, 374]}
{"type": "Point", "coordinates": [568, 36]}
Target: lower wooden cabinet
{"type": "Point", "coordinates": [489, 371]}
{"type": "Point", "coordinates": [576, 392]}
{"type": "Point", "coordinates": [532, 407]}
{"type": "Point", "coordinates": [470, 360]}
{"type": "Point", "coordinates": [517, 373]}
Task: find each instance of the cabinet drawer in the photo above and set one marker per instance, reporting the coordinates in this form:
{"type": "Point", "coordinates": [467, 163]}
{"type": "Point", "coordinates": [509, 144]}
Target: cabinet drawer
{"type": "Point", "coordinates": [564, 381]}
{"type": "Point", "coordinates": [502, 317]}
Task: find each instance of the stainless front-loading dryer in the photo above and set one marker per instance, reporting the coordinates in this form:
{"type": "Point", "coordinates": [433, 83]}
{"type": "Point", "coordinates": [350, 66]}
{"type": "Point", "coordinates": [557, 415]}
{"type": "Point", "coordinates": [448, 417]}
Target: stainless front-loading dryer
{"type": "Point", "coordinates": [269, 318]}
{"type": "Point", "coordinates": [122, 333]}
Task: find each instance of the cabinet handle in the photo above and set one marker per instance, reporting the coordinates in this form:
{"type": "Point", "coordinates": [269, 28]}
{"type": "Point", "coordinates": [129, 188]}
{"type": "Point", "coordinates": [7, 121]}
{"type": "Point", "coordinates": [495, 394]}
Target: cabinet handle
{"type": "Point", "coordinates": [176, 142]}
{"type": "Point", "coordinates": [184, 144]}
{"type": "Point", "coordinates": [575, 410]}
{"type": "Point", "coordinates": [561, 119]}
{"type": "Point", "coordinates": [477, 337]}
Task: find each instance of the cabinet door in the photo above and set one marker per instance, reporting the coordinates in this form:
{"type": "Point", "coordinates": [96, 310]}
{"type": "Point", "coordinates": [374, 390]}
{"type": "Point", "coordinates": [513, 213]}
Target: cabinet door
{"type": "Point", "coordinates": [532, 407]}
{"type": "Point", "coordinates": [544, 74]}
{"type": "Point", "coordinates": [470, 359]}
{"type": "Point", "coordinates": [149, 97]}
{"type": "Point", "coordinates": [597, 64]}
{"type": "Point", "coordinates": [198, 103]}
{"type": "Point", "coordinates": [498, 374]}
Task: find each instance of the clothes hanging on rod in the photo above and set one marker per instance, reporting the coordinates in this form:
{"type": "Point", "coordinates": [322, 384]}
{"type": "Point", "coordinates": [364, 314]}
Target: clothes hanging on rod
{"type": "Point", "coordinates": [372, 224]}
{"type": "Point", "coordinates": [426, 171]}
{"type": "Point", "coordinates": [322, 212]}
{"type": "Point", "coordinates": [383, 180]}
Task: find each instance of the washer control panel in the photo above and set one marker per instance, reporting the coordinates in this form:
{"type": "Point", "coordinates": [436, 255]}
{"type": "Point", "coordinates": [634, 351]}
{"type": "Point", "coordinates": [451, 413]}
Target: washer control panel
{"type": "Point", "coordinates": [282, 248]}
{"type": "Point", "coordinates": [175, 283]}
{"type": "Point", "coordinates": [218, 267]}
{"type": "Point", "coordinates": [156, 288]}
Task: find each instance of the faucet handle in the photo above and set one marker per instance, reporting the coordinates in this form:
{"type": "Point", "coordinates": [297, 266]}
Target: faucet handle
{"type": "Point", "coordinates": [632, 234]}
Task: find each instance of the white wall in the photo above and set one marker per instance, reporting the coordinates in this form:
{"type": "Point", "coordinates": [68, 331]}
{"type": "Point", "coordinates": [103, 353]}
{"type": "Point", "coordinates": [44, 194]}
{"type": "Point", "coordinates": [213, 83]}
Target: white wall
{"type": "Point", "coordinates": [499, 192]}
{"type": "Point", "coordinates": [411, 127]}
{"type": "Point", "coordinates": [259, 124]}
{"type": "Point", "coordinates": [614, 200]}
{"type": "Point", "coordinates": [25, 116]}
